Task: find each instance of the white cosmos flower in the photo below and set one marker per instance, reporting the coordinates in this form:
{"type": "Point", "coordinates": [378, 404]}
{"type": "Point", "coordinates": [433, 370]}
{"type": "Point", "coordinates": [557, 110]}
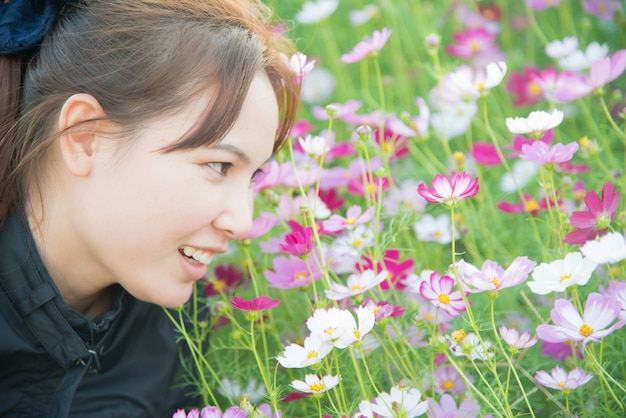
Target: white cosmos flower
{"type": "Point", "coordinates": [536, 123]}
{"type": "Point", "coordinates": [313, 145]}
{"type": "Point", "coordinates": [315, 384]}
{"type": "Point", "coordinates": [609, 248]}
{"type": "Point", "coordinates": [561, 274]}
{"type": "Point", "coordinates": [471, 347]}
{"type": "Point", "coordinates": [400, 403]}
{"type": "Point", "coordinates": [454, 119]}
{"type": "Point", "coordinates": [339, 327]}
{"type": "Point", "coordinates": [316, 11]}
{"type": "Point", "coordinates": [428, 228]}
{"type": "Point", "coordinates": [356, 284]}
{"type": "Point", "coordinates": [580, 61]}
{"type": "Point", "coordinates": [296, 356]}
{"type": "Point", "coordinates": [358, 17]}
{"type": "Point", "coordinates": [560, 49]}
{"type": "Point", "coordinates": [318, 86]}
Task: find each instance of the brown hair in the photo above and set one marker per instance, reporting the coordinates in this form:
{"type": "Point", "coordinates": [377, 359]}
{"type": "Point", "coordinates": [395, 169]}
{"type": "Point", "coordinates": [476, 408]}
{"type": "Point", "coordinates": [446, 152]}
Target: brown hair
{"type": "Point", "coordinates": [139, 59]}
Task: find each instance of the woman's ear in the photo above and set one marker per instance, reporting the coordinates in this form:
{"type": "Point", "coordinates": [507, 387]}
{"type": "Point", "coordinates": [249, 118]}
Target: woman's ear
{"type": "Point", "coordinates": [79, 140]}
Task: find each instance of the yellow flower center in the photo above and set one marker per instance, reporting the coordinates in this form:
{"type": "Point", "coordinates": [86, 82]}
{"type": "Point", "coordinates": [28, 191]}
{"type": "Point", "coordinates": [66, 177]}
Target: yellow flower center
{"type": "Point", "coordinates": [561, 384]}
{"type": "Point", "coordinates": [533, 88]}
{"type": "Point", "coordinates": [443, 298]}
{"type": "Point", "coordinates": [300, 275]}
{"type": "Point", "coordinates": [532, 205]}
{"type": "Point", "coordinates": [357, 243]}
{"type": "Point", "coordinates": [565, 277]}
{"type": "Point", "coordinates": [220, 284]}
{"type": "Point", "coordinates": [349, 221]}
{"type": "Point", "coordinates": [585, 330]}
{"type": "Point", "coordinates": [447, 384]}
{"type": "Point", "coordinates": [438, 234]}
{"type": "Point", "coordinates": [317, 387]}
{"type": "Point", "coordinates": [329, 330]}
{"type": "Point", "coordinates": [495, 282]}
{"type": "Point", "coordinates": [429, 316]}
{"type": "Point", "coordinates": [357, 334]}
{"type": "Point", "coordinates": [355, 287]}
{"type": "Point", "coordinates": [312, 354]}
{"type": "Point", "coordinates": [474, 46]}
{"type": "Point", "coordinates": [459, 335]}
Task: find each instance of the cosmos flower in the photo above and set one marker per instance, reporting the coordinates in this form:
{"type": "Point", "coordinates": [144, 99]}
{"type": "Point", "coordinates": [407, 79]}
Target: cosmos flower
{"type": "Point", "coordinates": [262, 303]}
{"type": "Point", "coordinates": [542, 154]}
{"type": "Point", "coordinates": [516, 341]}
{"type": "Point", "coordinates": [536, 124]}
{"type": "Point", "coordinates": [558, 275]}
{"type": "Point", "coordinates": [357, 284]}
{"type": "Point", "coordinates": [299, 241]}
{"type": "Point", "coordinates": [609, 248]}
{"type": "Point", "coordinates": [400, 402]}
{"type": "Point", "coordinates": [316, 11]}
{"type": "Point", "coordinates": [595, 323]}
{"type": "Point", "coordinates": [312, 352]}
{"type": "Point", "coordinates": [596, 219]}
{"type": "Point", "coordinates": [315, 384]}
{"type": "Point", "coordinates": [367, 47]}
{"type": "Point", "coordinates": [449, 191]}
{"type": "Point", "coordinates": [439, 291]}
{"type": "Point", "coordinates": [492, 277]}
{"type": "Point", "coordinates": [561, 380]}
{"type": "Point", "coordinates": [354, 216]}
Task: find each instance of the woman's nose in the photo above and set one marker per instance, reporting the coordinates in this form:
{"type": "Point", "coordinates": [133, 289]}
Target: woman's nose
{"type": "Point", "coordinates": [236, 215]}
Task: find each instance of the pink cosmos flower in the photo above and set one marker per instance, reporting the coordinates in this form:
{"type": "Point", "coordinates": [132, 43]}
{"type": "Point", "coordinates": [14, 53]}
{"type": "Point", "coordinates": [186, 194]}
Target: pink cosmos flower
{"type": "Point", "coordinates": [543, 154]}
{"type": "Point", "coordinates": [559, 351]}
{"type": "Point", "coordinates": [492, 277]}
{"type": "Point", "coordinates": [449, 191]}
{"type": "Point", "coordinates": [519, 141]}
{"type": "Point", "coordinates": [391, 143]}
{"type": "Point", "coordinates": [262, 303]}
{"type": "Point", "coordinates": [438, 290]}
{"type": "Point", "coordinates": [212, 412]}
{"type": "Point", "coordinates": [561, 380]}
{"type": "Point", "coordinates": [617, 290]}
{"type": "Point", "coordinates": [599, 312]}
{"type": "Point", "coordinates": [290, 272]}
{"type": "Point", "coordinates": [485, 154]}
{"type": "Point", "coordinates": [516, 341]}
{"type": "Point", "coordinates": [560, 86]}
{"type": "Point", "coordinates": [523, 88]}
{"type": "Point", "coordinates": [597, 218]}
{"type": "Point", "coordinates": [477, 44]}
{"type": "Point", "coordinates": [415, 127]}
{"type": "Point", "coordinates": [354, 216]}
{"type": "Point", "coordinates": [299, 241]}
{"type": "Point", "coordinates": [528, 204]}
{"type": "Point", "coordinates": [367, 47]}
{"type": "Point", "coordinates": [369, 185]}
{"type": "Point", "coordinates": [607, 69]}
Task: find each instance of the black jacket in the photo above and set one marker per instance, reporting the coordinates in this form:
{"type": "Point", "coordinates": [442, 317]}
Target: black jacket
{"type": "Point", "coordinates": [55, 362]}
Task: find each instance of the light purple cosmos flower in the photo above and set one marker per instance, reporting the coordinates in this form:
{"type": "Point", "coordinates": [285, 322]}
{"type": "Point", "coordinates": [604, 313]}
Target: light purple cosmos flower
{"type": "Point", "coordinates": [604, 9]}
{"type": "Point", "coordinates": [447, 379]}
{"type": "Point", "coordinates": [447, 408]}
{"type": "Point", "coordinates": [438, 290]}
{"type": "Point", "coordinates": [493, 277]}
{"type": "Point", "coordinates": [367, 47]}
{"type": "Point", "coordinates": [212, 412]}
{"type": "Point", "coordinates": [617, 291]}
{"type": "Point", "coordinates": [561, 380]}
{"type": "Point", "coordinates": [354, 216]}
{"type": "Point", "coordinates": [516, 341]}
{"type": "Point", "coordinates": [290, 272]}
{"type": "Point", "coordinates": [543, 154]}
{"type": "Point", "coordinates": [600, 311]}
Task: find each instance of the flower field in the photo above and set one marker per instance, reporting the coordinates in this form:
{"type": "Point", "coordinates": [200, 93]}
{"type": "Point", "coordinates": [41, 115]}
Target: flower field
{"type": "Point", "coordinates": [443, 235]}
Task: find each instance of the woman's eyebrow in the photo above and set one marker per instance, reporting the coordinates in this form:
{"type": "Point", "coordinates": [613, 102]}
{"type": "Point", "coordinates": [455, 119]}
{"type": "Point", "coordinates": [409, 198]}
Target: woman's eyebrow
{"type": "Point", "coordinates": [233, 149]}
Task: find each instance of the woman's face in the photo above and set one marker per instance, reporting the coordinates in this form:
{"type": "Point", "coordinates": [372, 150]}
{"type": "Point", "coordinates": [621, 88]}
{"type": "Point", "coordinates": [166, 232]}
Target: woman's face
{"type": "Point", "coordinates": [151, 221]}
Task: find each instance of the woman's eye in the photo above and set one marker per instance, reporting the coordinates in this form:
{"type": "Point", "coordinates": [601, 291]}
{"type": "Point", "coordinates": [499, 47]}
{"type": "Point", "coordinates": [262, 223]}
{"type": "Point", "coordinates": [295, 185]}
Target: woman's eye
{"type": "Point", "coordinates": [221, 168]}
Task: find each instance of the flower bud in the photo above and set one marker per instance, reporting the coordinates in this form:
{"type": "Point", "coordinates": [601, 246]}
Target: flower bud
{"type": "Point", "coordinates": [364, 132]}
{"type": "Point", "coordinates": [331, 110]}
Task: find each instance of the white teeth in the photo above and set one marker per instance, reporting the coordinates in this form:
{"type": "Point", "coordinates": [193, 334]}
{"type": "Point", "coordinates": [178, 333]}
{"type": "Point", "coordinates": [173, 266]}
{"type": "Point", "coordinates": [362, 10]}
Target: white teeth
{"type": "Point", "coordinates": [198, 255]}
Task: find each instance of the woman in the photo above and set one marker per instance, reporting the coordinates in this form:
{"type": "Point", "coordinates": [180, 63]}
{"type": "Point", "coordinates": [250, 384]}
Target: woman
{"type": "Point", "coordinates": [125, 168]}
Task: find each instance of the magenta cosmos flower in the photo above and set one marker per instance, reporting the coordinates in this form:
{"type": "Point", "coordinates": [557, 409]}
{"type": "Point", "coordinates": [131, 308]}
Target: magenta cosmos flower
{"type": "Point", "coordinates": [367, 47]}
{"type": "Point", "coordinates": [438, 290]}
{"type": "Point", "coordinates": [299, 241]}
{"type": "Point", "coordinates": [561, 380]}
{"type": "Point", "coordinates": [262, 303]}
{"type": "Point", "coordinates": [596, 219]}
{"type": "Point", "coordinates": [599, 312]}
{"type": "Point", "coordinates": [449, 191]}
